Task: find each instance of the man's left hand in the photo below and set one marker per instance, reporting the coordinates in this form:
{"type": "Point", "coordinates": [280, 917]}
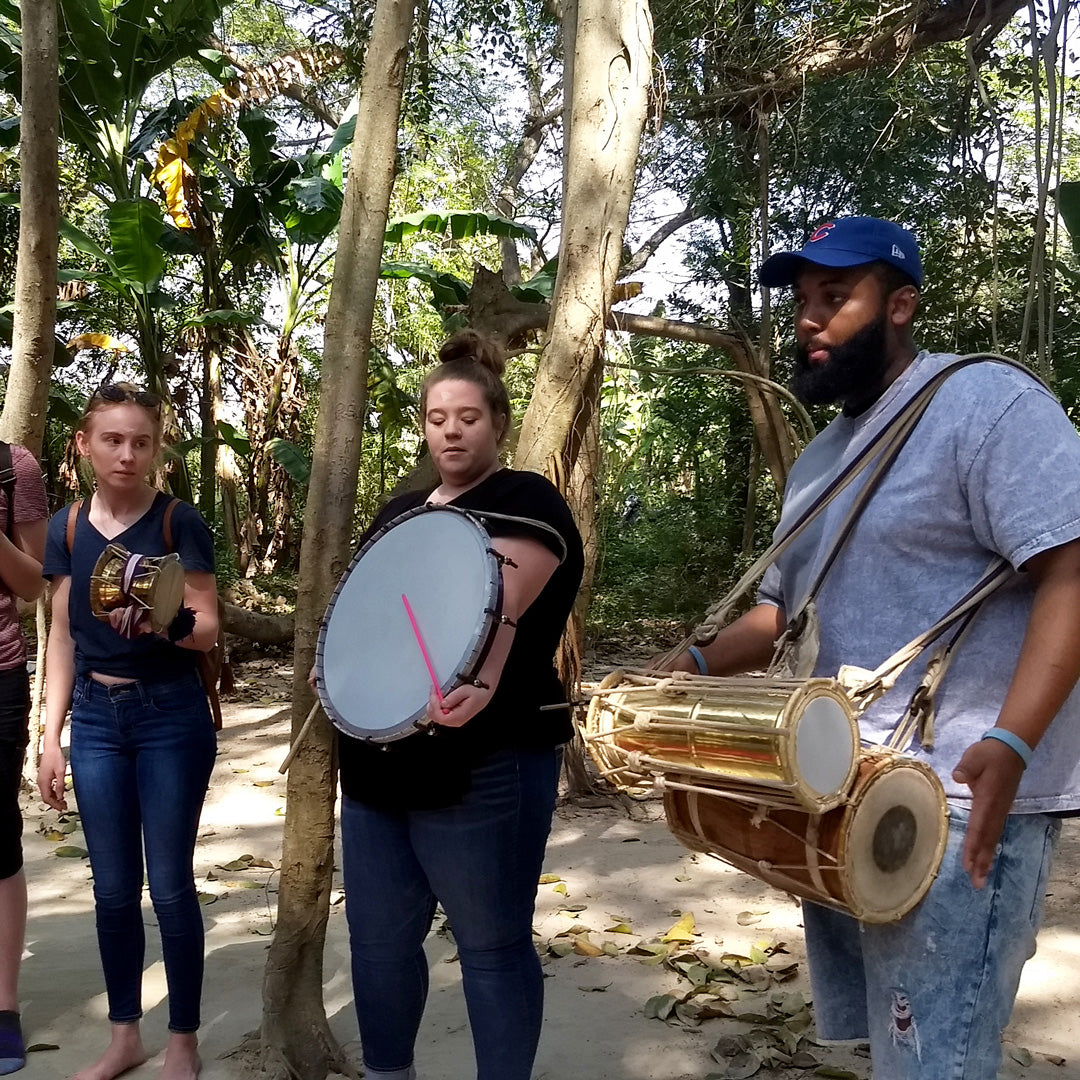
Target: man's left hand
{"type": "Point", "coordinates": [992, 771]}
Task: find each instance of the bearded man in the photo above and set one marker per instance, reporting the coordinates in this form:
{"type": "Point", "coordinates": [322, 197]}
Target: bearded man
{"type": "Point", "coordinates": [992, 469]}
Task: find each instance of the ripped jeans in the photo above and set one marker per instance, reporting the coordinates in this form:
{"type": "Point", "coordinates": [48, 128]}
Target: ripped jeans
{"type": "Point", "coordinates": [934, 991]}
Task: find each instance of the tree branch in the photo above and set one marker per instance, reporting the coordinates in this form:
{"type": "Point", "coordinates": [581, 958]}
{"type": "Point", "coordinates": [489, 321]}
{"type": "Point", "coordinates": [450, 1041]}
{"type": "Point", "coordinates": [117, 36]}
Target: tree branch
{"type": "Point", "coordinates": [648, 249]}
{"type": "Point", "coordinates": [890, 40]}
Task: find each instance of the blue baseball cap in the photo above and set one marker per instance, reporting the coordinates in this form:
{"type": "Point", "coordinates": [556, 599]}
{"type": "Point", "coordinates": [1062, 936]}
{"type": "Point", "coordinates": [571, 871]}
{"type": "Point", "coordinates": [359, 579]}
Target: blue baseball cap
{"type": "Point", "coordinates": [851, 241]}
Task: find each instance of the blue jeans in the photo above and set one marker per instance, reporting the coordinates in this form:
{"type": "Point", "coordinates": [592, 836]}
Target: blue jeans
{"type": "Point", "coordinates": [480, 859]}
{"type": "Point", "coordinates": [934, 991]}
{"type": "Point", "coordinates": [141, 756]}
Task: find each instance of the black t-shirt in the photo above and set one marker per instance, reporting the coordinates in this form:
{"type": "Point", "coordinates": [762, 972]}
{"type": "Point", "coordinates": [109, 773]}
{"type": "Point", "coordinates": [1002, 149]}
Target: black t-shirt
{"type": "Point", "coordinates": [429, 770]}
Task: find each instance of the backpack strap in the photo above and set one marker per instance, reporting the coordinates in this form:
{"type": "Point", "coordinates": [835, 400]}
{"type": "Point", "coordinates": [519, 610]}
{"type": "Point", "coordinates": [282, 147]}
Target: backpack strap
{"type": "Point", "coordinates": [7, 485]}
{"type": "Point", "coordinates": [209, 662]}
{"type": "Point", "coordinates": [166, 525]}
{"type": "Point", "coordinates": [74, 510]}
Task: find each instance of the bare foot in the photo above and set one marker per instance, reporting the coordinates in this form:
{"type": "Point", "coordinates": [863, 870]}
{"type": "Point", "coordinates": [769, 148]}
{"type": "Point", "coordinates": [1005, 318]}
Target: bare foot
{"type": "Point", "coordinates": [125, 1051]}
{"type": "Point", "coordinates": [181, 1058]}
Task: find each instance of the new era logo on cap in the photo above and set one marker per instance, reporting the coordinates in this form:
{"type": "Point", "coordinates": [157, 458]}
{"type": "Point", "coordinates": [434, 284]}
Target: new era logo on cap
{"type": "Point", "coordinates": [846, 242]}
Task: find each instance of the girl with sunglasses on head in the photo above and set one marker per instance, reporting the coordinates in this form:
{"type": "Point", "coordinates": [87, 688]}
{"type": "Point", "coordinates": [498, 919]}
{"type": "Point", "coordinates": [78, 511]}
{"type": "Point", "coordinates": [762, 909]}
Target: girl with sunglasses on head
{"type": "Point", "coordinates": [142, 737]}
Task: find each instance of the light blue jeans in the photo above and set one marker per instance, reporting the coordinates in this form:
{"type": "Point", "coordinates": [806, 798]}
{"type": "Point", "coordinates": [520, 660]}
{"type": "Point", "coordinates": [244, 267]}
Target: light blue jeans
{"type": "Point", "coordinates": [934, 991]}
{"type": "Point", "coordinates": [480, 859]}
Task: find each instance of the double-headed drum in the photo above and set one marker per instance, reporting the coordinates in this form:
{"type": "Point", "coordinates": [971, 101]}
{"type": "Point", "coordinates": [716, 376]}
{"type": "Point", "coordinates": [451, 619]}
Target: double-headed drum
{"type": "Point", "coordinates": [152, 582]}
{"type": "Point", "coordinates": [778, 742]}
{"type": "Point", "coordinates": [873, 858]}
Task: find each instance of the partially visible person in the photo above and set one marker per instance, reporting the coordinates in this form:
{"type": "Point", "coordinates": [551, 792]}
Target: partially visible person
{"type": "Point", "coordinates": [23, 518]}
{"type": "Point", "coordinates": [992, 469]}
{"type": "Point", "coordinates": [461, 817]}
{"type": "Point", "coordinates": [142, 737]}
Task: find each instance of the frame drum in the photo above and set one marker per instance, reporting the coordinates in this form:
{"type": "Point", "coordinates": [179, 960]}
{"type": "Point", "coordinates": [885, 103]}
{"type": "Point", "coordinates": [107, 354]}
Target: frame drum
{"type": "Point", "coordinates": [783, 742]}
{"type": "Point", "coordinates": [873, 858]}
{"type": "Point", "coordinates": [369, 668]}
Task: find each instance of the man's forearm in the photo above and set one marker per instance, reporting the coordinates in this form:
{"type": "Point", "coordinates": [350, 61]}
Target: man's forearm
{"type": "Point", "coordinates": [747, 644]}
{"type": "Point", "coordinates": [1049, 663]}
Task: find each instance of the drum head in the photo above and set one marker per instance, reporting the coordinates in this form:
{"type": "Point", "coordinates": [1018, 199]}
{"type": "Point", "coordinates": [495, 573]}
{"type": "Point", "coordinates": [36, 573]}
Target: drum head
{"type": "Point", "coordinates": [370, 671]}
{"type": "Point", "coordinates": [826, 744]}
{"type": "Point", "coordinates": [896, 836]}
{"type": "Point", "coordinates": [167, 592]}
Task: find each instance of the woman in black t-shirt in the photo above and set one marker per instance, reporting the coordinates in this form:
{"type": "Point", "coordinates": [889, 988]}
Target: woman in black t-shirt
{"type": "Point", "coordinates": [461, 816]}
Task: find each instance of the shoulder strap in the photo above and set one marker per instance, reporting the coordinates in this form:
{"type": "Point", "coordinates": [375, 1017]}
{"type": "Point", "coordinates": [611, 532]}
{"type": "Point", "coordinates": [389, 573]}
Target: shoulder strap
{"type": "Point", "coordinates": [72, 520]}
{"type": "Point", "coordinates": [887, 443]}
{"type": "Point", "coordinates": [7, 483]}
{"type": "Point", "coordinates": [209, 662]}
{"type": "Point", "coordinates": [166, 525]}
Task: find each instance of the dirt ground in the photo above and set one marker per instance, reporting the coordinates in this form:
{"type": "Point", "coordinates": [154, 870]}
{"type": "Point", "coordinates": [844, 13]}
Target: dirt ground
{"type": "Point", "coordinates": [619, 1002]}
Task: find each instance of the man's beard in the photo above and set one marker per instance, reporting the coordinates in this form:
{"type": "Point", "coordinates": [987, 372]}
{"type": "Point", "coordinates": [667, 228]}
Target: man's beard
{"type": "Point", "coordinates": [852, 375]}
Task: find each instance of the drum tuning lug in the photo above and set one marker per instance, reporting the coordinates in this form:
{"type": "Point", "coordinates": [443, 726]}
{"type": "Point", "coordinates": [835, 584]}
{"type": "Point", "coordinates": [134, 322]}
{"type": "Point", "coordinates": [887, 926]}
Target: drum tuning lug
{"type": "Point", "coordinates": [504, 560]}
{"type": "Point", "coordinates": [480, 684]}
{"type": "Point", "coordinates": [507, 621]}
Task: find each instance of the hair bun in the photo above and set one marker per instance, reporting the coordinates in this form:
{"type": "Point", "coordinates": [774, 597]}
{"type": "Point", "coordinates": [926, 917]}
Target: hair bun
{"type": "Point", "coordinates": [468, 345]}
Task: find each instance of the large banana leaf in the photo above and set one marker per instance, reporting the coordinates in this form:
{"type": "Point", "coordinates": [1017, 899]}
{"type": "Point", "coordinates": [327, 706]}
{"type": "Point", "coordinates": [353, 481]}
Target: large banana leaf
{"type": "Point", "coordinates": [292, 459]}
{"type": "Point", "coordinates": [135, 227]}
{"type": "Point", "coordinates": [1068, 204]}
{"type": "Point", "coordinates": [109, 53]}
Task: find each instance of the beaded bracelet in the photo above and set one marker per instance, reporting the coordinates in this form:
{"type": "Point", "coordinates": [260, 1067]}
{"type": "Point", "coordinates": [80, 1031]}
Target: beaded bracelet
{"type": "Point", "coordinates": [1012, 741]}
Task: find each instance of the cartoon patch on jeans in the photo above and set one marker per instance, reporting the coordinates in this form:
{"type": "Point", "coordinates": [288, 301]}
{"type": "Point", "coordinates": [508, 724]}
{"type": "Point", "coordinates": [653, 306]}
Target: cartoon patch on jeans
{"type": "Point", "coordinates": [902, 1028]}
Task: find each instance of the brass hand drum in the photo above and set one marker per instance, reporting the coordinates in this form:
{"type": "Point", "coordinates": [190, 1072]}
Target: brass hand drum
{"type": "Point", "coordinates": [154, 582]}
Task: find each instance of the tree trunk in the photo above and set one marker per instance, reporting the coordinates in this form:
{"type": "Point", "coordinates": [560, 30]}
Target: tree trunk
{"type": "Point", "coordinates": [608, 68]}
{"type": "Point", "coordinates": [26, 401]}
{"type": "Point", "coordinates": [296, 1040]}
{"type": "Point", "coordinates": [34, 328]}
{"type": "Point", "coordinates": [581, 495]}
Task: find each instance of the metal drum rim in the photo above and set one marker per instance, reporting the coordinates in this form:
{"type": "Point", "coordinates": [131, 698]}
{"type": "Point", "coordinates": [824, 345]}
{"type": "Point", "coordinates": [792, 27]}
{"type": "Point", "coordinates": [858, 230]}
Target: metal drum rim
{"type": "Point", "coordinates": [471, 658]}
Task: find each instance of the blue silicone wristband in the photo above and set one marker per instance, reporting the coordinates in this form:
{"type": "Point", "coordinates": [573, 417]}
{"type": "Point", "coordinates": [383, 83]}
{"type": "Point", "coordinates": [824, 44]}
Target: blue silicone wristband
{"type": "Point", "coordinates": [1012, 741]}
{"type": "Point", "coordinates": [699, 659]}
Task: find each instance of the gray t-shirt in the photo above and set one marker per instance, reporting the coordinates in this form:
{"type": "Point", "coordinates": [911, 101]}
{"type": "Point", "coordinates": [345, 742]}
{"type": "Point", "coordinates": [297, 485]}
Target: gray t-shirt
{"type": "Point", "coordinates": [993, 467]}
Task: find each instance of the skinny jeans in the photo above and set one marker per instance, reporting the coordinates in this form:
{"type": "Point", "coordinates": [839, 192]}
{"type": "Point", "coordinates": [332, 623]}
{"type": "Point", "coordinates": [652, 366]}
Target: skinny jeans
{"type": "Point", "coordinates": [481, 859]}
{"type": "Point", "coordinates": [141, 756]}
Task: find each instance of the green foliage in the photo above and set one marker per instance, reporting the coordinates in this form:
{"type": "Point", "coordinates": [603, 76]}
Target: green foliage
{"type": "Point", "coordinates": [292, 459]}
{"type": "Point", "coordinates": [676, 485]}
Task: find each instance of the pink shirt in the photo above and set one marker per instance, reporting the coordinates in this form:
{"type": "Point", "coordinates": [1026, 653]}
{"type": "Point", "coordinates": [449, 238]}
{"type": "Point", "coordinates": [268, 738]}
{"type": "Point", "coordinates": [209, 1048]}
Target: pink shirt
{"type": "Point", "coordinates": [30, 505]}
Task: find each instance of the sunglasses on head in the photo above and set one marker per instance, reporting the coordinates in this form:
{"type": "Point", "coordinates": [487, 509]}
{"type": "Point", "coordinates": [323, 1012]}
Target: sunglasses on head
{"type": "Point", "coordinates": [112, 392]}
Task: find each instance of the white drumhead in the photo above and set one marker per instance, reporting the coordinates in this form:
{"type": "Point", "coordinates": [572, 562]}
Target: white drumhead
{"type": "Point", "coordinates": [825, 746]}
{"type": "Point", "coordinates": [370, 672]}
{"type": "Point", "coordinates": [895, 840]}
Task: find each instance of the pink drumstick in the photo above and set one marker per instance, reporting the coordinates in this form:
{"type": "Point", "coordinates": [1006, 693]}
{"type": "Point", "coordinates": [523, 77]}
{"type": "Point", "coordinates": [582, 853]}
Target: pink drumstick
{"type": "Point", "coordinates": [423, 647]}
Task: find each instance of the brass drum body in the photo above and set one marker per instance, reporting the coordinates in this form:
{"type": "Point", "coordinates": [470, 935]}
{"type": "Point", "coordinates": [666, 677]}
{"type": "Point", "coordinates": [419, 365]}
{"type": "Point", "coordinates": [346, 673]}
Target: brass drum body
{"type": "Point", "coordinates": [781, 742]}
{"type": "Point", "coordinates": [155, 582]}
{"type": "Point", "coordinates": [873, 858]}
